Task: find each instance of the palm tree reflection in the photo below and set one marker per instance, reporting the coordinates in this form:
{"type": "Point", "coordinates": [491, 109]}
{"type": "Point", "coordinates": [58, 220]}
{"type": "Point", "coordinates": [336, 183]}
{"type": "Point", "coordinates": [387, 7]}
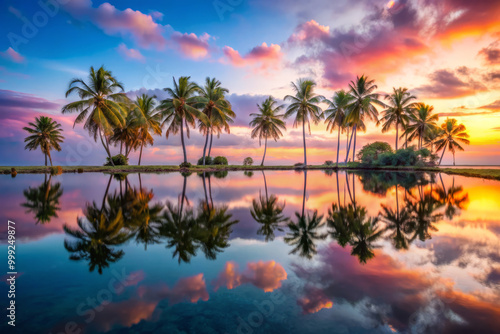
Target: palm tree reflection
{"type": "Point", "coordinates": [304, 234]}
{"type": "Point", "coordinates": [268, 212]}
{"type": "Point", "coordinates": [43, 201]}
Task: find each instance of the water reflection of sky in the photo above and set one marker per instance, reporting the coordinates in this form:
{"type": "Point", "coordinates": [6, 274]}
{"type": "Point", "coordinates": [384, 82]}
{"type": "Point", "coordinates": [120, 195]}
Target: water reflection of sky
{"type": "Point", "coordinates": [423, 257]}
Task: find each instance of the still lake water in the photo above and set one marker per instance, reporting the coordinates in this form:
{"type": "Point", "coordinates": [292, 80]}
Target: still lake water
{"type": "Point", "coordinates": [167, 253]}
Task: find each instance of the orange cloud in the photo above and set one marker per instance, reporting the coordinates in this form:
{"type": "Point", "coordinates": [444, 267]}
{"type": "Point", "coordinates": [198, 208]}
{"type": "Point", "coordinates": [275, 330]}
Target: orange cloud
{"type": "Point", "coordinates": [191, 45]}
{"type": "Point", "coordinates": [191, 289]}
{"type": "Point", "coordinates": [314, 301]}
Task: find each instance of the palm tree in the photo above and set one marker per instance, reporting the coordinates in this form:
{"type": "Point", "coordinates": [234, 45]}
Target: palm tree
{"type": "Point", "coordinates": [46, 134]}
{"type": "Point", "coordinates": [304, 105]}
{"type": "Point", "coordinates": [398, 110]}
{"type": "Point", "coordinates": [361, 107]}
{"type": "Point", "coordinates": [103, 105]}
{"type": "Point", "coordinates": [212, 101]}
{"type": "Point", "coordinates": [268, 123]}
{"type": "Point", "coordinates": [452, 134]}
{"type": "Point", "coordinates": [454, 198]}
{"type": "Point", "coordinates": [149, 120]}
{"type": "Point", "coordinates": [365, 233]}
{"type": "Point", "coordinates": [127, 135]}
{"type": "Point", "coordinates": [179, 109]}
{"type": "Point", "coordinates": [43, 201]}
{"type": "Point", "coordinates": [335, 114]}
{"type": "Point", "coordinates": [422, 121]}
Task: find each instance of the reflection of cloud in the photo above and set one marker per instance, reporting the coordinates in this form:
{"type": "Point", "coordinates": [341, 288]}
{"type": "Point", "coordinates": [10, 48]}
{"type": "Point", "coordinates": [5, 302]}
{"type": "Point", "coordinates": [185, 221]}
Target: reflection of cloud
{"type": "Point", "coordinates": [264, 275]}
{"type": "Point", "coordinates": [314, 301]}
{"type": "Point", "coordinates": [190, 289]}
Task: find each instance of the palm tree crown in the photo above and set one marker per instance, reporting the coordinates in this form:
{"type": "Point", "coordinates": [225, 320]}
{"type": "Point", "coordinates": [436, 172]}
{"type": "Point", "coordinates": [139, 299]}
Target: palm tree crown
{"type": "Point", "coordinates": [335, 114]}
{"type": "Point", "coordinates": [46, 134]}
{"type": "Point", "coordinates": [422, 121]}
{"type": "Point", "coordinates": [148, 120]}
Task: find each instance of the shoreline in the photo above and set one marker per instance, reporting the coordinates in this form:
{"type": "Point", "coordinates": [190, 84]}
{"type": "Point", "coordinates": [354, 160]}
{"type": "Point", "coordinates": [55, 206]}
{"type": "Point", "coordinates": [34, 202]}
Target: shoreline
{"type": "Point", "coordinates": [485, 173]}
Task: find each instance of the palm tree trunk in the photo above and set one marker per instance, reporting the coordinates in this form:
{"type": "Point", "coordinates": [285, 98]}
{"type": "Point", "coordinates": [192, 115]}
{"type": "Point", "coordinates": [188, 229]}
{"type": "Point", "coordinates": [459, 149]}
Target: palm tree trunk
{"type": "Point", "coordinates": [397, 134]}
{"type": "Point", "coordinates": [304, 139]}
{"type": "Point", "coordinates": [121, 146]}
{"type": "Point", "coordinates": [205, 147]}
{"type": "Point", "coordinates": [45, 159]}
{"type": "Point", "coordinates": [181, 207]}
{"type": "Point", "coordinates": [354, 132]}
{"type": "Point", "coordinates": [205, 186]}
{"type": "Point", "coordinates": [140, 154]}
{"type": "Point", "coordinates": [348, 187]}
{"type": "Point", "coordinates": [406, 140]}
{"type": "Point", "coordinates": [182, 141]}
{"type": "Point", "coordinates": [338, 191]}
{"type": "Point", "coordinates": [349, 147]}
{"type": "Point", "coordinates": [453, 159]}
{"type": "Point", "coordinates": [106, 148]}
{"type": "Point", "coordinates": [210, 190]}
{"type": "Point", "coordinates": [304, 194]}
{"type": "Point", "coordinates": [211, 140]}
{"type": "Point", "coordinates": [106, 193]}
{"type": "Point", "coordinates": [338, 149]}
{"type": "Point", "coordinates": [444, 149]}
{"type": "Point", "coordinates": [265, 149]}
{"type": "Point", "coordinates": [50, 158]}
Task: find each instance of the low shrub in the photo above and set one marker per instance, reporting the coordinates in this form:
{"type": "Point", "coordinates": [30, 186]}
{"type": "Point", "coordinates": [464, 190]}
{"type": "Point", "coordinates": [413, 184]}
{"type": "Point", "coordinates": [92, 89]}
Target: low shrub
{"type": "Point", "coordinates": [220, 160]}
{"type": "Point", "coordinates": [185, 165]}
{"type": "Point", "coordinates": [247, 161]}
{"type": "Point", "coordinates": [328, 163]}
{"type": "Point", "coordinates": [407, 157]}
{"type": "Point", "coordinates": [80, 170]}
{"type": "Point", "coordinates": [299, 165]}
{"type": "Point", "coordinates": [248, 173]}
{"type": "Point", "coordinates": [118, 160]}
{"type": "Point", "coordinates": [208, 161]}
{"type": "Point", "coordinates": [13, 173]}
{"type": "Point", "coordinates": [12, 170]}
{"type": "Point", "coordinates": [56, 170]}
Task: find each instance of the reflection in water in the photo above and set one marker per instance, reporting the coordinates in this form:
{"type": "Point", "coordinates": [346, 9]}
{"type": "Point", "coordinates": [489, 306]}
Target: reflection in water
{"type": "Point", "coordinates": [268, 212]}
{"type": "Point", "coordinates": [43, 201]}
{"type": "Point", "coordinates": [367, 235]}
{"type": "Point", "coordinates": [97, 233]}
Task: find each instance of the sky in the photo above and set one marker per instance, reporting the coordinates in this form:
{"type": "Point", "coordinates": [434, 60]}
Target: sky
{"type": "Point", "coordinates": [445, 52]}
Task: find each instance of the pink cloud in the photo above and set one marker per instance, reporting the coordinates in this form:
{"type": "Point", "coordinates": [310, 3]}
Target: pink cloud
{"type": "Point", "coordinates": [141, 27]}
{"type": "Point", "coordinates": [133, 54]}
{"type": "Point", "coordinates": [309, 31]}
{"type": "Point", "coordinates": [264, 275]}
{"type": "Point", "coordinates": [191, 45]}
{"type": "Point", "coordinates": [262, 56]}
{"type": "Point", "coordinates": [314, 301]}
{"type": "Point", "coordinates": [12, 55]}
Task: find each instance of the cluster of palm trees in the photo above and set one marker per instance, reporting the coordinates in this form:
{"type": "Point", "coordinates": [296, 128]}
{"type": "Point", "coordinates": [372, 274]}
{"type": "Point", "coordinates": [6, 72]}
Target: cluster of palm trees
{"type": "Point", "coordinates": [349, 111]}
{"type": "Point", "coordinates": [109, 114]}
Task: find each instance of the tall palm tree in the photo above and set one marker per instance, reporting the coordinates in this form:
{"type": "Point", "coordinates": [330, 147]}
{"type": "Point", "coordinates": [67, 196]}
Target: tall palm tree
{"type": "Point", "coordinates": [422, 121]}
{"type": "Point", "coordinates": [102, 104]}
{"type": "Point", "coordinates": [127, 135]}
{"type": "Point", "coordinates": [454, 198]}
{"type": "Point", "coordinates": [398, 110]}
{"type": "Point", "coordinates": [362, 107]}
{"type": "Point", "coordinates": [304, 105]}
{"type": "Point", "coordinates": [268, 123]}
{"type": "Point", "coordinates": [335, 114]}
{"type": "Point", "coordinates": [179, 109]}
{"type": "Point", "coordinates": [148, 119]}
{"type": "Point", "coordinates": [452, 134]}
{"type": "Point", "coordinates": [213, 103]}
{"type": "Point", "coordinates": [43, 201]}
{"type": "Point", "coordinates": [46, 134]}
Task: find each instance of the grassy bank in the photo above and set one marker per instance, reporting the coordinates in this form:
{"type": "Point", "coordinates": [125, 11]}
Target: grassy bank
{"type": "Point", "coordinates": [469, 172]}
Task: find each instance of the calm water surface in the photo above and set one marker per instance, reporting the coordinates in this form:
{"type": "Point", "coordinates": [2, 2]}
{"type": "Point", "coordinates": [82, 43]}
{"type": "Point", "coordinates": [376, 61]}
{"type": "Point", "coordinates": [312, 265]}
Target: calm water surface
{"type": "Point", "coordinates": [280, 252]}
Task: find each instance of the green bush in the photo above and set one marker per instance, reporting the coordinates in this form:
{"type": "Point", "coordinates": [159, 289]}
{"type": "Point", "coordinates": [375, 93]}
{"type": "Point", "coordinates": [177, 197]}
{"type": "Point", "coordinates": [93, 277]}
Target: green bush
{"type": "Point", "coordinates": [12, 170]}
{"type": "Point", "coordinates": [118, 160]}
{"type": "Point", "coordinates": [220, 160]}
{"type": "Point", "coordinates": [299, 165]}
{"type": "Point", "coordinates": [220, 174]}
{"type": "Point", "coordinates": [248, 173]}
{"type": "Point", "coordinates": [247, 161]}
{"type": "Point", "coordinates": [208, 161]}
{"type": "Point", "coordinates": [406, 157]}
{"type": "Point", "coordinates": [328, 163]}
{"type": "Point", "coordinates": [80, 170]}
{"type": "Point", "coordinates": [56, 170]}
{"type": "Point", "coordinates": [185, 165]}
{"type": "Point", "coordinates": [371, 152]}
